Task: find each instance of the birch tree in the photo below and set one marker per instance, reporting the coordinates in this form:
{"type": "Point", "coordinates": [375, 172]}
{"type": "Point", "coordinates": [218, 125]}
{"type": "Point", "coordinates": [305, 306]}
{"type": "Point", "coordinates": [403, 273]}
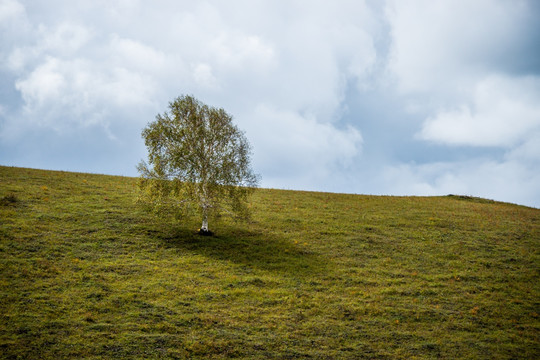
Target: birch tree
{"type": "Point", "coordinates": [198, 161]}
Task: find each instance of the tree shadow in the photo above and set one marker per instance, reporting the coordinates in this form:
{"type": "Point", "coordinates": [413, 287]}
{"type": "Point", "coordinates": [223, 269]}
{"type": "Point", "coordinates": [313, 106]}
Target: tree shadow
{"type": "Point", "coordinates": [252, 247]}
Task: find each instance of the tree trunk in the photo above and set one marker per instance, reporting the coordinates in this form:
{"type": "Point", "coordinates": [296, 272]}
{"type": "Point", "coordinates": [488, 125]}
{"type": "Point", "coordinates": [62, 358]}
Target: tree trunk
{"type": "Point", "coordinates": [204, 226]}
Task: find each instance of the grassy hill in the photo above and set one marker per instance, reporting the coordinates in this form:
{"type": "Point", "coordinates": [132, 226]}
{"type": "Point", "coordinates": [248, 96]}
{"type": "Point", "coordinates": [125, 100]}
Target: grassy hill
{"type": "Point", "coordinates": [86, 273]}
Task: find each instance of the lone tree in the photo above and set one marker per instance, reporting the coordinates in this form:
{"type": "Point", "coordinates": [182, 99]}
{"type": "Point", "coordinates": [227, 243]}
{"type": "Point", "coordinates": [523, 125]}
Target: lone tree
{"type": "Point", "coordinates": [198, 161]}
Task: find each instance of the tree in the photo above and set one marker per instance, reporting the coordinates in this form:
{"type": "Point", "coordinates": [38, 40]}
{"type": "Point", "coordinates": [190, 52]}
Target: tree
{"type": "Point", "coordinates": [198, 160]}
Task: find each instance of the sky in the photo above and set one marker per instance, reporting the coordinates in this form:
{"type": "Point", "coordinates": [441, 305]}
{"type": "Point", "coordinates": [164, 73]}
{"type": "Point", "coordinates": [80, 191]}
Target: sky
{"type": "Point", "coordinates": [416, 97]}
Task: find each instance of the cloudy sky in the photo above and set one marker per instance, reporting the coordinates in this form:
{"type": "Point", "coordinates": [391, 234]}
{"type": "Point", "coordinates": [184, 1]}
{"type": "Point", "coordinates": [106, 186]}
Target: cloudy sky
{"type": "Point", "coordinates": [416, 97]}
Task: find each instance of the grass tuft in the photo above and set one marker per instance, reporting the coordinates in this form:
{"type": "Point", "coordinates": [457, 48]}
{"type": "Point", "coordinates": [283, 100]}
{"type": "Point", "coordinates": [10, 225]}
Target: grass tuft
{"type": "Point", "coordinates": [9, 200]}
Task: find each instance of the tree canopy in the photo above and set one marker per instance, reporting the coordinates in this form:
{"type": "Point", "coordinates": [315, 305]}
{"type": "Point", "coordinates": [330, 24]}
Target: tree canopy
{"type": "Point", "coordinates": [198, 160]}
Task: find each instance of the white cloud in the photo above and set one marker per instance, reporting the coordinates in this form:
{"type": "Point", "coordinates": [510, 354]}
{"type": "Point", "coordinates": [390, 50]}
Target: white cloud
{"type": "Point", "coordinates": [509, 181]}
{"type": "Point", "coordinates": [446, 44]}
{"type": "Point", "coordinates": [203, 76]}
{"type": "Point", "coordinates": [45, 84]}
{"type": "Point", "coordinates": [462, 67]}
{"type": "Point", "coordinates": [62, 94]}
{"type": "Point", "coordinates": [14, 29]}
{"type": "Point", "coordinates": [9, 10]}
{"type": "Point", "coordinates": [67, 80]}
{"type": "Point", "coordinates": [292, 62]}
{"type": "Point", "coordinates": [289, 145]}
{"type": "Point", "coordinates": [17, 59]}
{"type": "Point", "coordinates": [503, 112]}
{"type": "Point", "coordinates": [66, 38]}
{"type": "Point", "coordinates": [135, 55]}
{"type": "Point", "coordinates": [240, 51]}
{"type": "Point", "coordinates": [63, 41]}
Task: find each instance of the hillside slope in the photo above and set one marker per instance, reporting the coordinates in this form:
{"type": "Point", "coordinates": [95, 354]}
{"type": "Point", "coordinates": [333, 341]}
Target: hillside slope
{"type": "Point", "coordinates": [85, 273]}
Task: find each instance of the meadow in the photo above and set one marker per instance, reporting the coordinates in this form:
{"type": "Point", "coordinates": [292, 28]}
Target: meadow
{"type": "Point", "coordinates": [85, 272]}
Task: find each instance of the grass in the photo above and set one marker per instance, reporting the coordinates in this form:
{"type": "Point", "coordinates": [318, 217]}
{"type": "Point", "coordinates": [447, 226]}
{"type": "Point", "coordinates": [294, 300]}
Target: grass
{"type": "Point", "coordinates": [86, 273]}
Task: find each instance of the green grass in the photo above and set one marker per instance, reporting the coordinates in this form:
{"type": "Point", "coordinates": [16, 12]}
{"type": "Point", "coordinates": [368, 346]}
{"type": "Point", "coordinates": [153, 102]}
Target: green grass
{"type": "Point", "coordinates": [86, 273]}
